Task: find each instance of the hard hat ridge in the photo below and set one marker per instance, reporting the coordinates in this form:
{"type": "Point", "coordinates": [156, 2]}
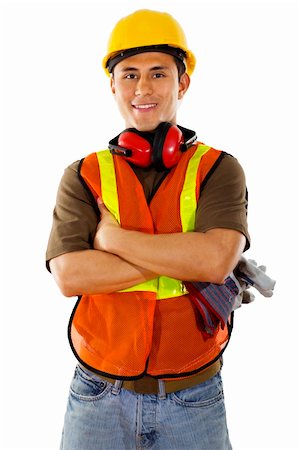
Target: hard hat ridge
{"type": "Point", "coordinates": [164, 48]}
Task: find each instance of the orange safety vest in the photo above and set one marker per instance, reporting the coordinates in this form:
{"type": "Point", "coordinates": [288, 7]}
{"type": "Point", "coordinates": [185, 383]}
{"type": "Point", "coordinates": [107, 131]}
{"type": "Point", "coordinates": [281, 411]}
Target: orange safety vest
{"type": "Point", "coordinates": [152, 328]}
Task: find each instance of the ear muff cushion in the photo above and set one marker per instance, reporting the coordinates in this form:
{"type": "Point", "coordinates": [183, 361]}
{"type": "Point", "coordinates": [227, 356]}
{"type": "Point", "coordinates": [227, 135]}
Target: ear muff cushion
{"type": "Point", "coordinates": [167, 145]}
{"type": "Point", "coordinates": [158, 144]}
{"type": "Point", "coordinates": [172, 147]}
{"type": "Point", "coordinates": [140, 147]}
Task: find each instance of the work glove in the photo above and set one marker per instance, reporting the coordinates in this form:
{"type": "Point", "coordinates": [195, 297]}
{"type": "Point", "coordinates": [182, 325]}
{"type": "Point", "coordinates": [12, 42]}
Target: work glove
{"type": "Point", "coordinates": [249, 272]}
{"type": "Point", "coordinates": [215, 302]}
{"type": "Point", "coordinates": [244, 294]}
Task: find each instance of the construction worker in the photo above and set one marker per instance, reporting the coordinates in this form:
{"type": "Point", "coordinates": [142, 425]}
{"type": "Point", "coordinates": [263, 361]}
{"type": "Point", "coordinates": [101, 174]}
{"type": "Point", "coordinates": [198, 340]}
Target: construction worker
{"type": "Point", "coordinates": [130, 225]}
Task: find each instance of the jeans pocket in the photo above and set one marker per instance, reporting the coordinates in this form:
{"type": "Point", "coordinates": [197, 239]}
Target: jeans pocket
{"type": "Point", "coordinates": [202, 395]}
{"type": "Point", "coordinates": [88, 388]}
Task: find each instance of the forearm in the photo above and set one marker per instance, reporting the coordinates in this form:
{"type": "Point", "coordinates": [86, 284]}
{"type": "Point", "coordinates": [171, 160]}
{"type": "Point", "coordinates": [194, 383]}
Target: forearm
{"type": "Point", "coordinates": [95, 272]}
{"type": "Point", "coordinates": [190, 256]}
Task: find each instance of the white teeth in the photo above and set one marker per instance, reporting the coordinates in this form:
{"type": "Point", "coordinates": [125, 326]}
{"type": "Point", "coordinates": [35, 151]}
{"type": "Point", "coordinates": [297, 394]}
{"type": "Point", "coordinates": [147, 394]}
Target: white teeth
{"type": "Point", "coordinates": [151, 105]}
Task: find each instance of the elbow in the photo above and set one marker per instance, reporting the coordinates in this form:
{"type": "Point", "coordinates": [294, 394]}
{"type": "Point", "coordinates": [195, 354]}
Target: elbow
{"type": "Point", "coordinates": [220, 271]}
{"type": "Point", "coordinates": [66, 287]}
{"type": "Point", "coordinates": [220, 279]}
{"type": "Point", "coordinates": [218, 276]}
{"type": "Point", "coordinates": [209, 274]}
{"type": "Point", "coordinates": [63, 277]}
{"type": "Point", "coordinates": [225, 249]}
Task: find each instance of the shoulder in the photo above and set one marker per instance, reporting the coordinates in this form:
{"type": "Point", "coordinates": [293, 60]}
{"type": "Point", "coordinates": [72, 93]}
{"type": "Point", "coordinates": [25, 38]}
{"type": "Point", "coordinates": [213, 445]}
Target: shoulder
{"type": "Point", "coordinates": [227, 169]}
{"type": "Point", "coordinates": [230, 163]}
{"type": "Point", "coordinates": [72, 185]}
{"type": "Point", "coordinates": [72, 169]}
{"type": "Point", "coordinates": [70, 177]}
{"type": "Point", "coordinates": [74, 166]}
{"type": "Point", "coordinates": [223, 198]}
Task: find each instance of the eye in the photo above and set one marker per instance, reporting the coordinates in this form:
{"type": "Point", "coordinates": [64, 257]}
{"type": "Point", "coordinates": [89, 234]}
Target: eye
{"type": "Point", "coordinates": [158, 75]}
{"type": "Point", "coordinates": [130, 76]}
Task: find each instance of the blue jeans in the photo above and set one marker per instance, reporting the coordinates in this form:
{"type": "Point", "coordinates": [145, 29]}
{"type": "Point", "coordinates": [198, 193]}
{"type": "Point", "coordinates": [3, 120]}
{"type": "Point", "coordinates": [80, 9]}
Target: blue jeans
{"type": "Point", "coordinates": [101, 417]}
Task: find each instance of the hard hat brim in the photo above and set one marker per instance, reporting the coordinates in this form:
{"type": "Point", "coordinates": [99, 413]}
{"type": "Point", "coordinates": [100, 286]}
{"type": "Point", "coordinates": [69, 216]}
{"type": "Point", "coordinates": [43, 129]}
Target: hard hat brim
{"type": "Point", "coordinates": [186, 56]}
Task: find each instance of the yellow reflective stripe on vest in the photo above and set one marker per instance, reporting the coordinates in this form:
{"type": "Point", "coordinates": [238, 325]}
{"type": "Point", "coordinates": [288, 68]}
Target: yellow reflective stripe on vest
{"type": "Point", "coordinates": [188, 203]}
{"type": "Point", "coordinates": [108, 182]}
{"type": "Point", "coordinates": [110, 199]}
{"type": "Point", "coordinates": [170, 287]}
{"type": "Point", "coordinates": [148, 286]}
{"type": "Point", "coordinates": [165, 287]}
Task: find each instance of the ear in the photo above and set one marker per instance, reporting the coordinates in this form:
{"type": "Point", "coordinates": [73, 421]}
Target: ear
{"type": "Point", "coordinates": [112, 85]}
{"type": "Point", "coordinates": [184, 83]}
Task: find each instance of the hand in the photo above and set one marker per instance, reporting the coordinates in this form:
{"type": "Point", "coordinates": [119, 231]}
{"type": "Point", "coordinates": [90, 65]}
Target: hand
{"type": "Point", "coordinates": [106, 230]}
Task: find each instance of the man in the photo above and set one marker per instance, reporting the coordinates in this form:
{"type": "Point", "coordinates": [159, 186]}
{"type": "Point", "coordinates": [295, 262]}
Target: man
{"type": "Point", "coordinates": [130, 225]}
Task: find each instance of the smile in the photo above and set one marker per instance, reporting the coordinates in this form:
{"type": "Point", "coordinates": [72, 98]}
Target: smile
{"type": "Point", "coordinates": [145, 107]}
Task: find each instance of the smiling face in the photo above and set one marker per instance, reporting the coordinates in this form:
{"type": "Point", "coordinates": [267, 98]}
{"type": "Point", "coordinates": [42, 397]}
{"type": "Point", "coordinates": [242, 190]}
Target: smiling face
{"type": "Point", "coordinates": [147, 90]}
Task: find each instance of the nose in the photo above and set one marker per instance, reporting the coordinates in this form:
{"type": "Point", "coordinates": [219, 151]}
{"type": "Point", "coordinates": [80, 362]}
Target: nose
{"type": "Point", "coordinates": [143, 86]}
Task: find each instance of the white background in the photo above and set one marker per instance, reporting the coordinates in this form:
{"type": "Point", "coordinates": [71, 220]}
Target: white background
{"type": "Point", "coordinates": [56, 108]}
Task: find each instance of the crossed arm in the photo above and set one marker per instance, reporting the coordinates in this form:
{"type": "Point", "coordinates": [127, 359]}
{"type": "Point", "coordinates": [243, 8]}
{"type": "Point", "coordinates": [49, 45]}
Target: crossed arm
{"type": "Point", "coordinates": [122, 258]}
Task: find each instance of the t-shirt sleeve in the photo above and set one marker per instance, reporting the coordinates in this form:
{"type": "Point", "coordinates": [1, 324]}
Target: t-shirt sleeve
{"type": "Point", "coordinates": [75, 216]}
{"type": "Point", "coordinates": [223, 201]}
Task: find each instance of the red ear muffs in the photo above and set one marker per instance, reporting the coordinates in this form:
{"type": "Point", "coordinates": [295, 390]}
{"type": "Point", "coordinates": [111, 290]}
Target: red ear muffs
{"type": "Point", "coordinates": [167, 146]}
{"type": "Point", "coordinates": [141, 150]}
{"type": "Point", "coordinates": [164, 152]}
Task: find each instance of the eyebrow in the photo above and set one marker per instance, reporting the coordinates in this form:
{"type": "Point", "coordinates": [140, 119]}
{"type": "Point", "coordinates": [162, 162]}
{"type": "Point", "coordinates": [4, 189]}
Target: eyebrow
{"type": "Point", "coordinates": [128, 68]}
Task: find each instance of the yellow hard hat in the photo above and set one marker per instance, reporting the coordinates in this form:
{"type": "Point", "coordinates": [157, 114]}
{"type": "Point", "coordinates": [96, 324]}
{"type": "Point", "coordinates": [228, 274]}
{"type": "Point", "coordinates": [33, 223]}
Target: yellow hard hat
{"type": "Point", "coordinates": [147, 30]}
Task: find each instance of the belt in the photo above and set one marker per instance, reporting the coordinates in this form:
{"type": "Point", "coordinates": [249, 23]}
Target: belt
{"type": "Point", "coordinates": [150, 385]}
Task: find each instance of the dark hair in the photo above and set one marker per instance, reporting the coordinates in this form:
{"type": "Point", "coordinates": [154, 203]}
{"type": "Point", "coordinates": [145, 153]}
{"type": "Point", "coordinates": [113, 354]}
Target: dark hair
{"type": "Point", "coordinates": [180, 66]}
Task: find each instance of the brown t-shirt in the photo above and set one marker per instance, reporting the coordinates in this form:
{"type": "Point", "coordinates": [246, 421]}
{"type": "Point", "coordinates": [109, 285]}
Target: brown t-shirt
{"type": "Point", "coordinates": [222, 204]}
